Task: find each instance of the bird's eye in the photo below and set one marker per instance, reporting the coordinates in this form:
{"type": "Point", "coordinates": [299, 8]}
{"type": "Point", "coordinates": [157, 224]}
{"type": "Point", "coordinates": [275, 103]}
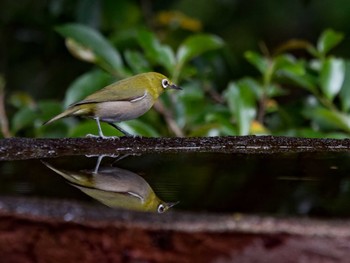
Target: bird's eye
{"type": "Point", "coordinates": [161, 208]}
{"type": "Point", "coordinates": [165, 83]}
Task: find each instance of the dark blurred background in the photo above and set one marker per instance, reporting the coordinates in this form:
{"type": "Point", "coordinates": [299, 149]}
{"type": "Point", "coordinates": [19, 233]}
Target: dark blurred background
{"type": "Point", "coordinates": [33, 57]}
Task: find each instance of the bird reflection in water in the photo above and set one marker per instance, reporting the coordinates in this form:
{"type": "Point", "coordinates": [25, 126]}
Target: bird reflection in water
{"type": "Point", "coordinates": [115, 187]}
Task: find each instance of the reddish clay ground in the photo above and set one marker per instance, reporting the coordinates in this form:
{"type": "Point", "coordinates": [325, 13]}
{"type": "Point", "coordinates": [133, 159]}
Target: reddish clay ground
{"type": "Point", "coordinates": [29, 241]}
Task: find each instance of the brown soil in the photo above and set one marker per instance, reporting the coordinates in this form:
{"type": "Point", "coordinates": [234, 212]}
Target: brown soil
{"type": "Point", "coordinates": [41, 232]}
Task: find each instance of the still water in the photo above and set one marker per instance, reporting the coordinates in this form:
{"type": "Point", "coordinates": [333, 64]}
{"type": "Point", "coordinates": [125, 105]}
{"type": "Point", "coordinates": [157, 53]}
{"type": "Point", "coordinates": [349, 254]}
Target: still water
{"type": "Point", "coordinates": [298, 184]}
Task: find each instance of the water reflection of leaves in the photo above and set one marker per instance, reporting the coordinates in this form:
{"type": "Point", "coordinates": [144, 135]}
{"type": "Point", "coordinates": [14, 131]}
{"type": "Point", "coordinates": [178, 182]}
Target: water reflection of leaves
{"type": "Point", "coordinates": [115, 187]}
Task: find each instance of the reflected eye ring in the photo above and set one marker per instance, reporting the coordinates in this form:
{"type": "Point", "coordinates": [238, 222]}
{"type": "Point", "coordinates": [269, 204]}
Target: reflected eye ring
{"type": "Point", "coordinates": [165, 83]}
{"type": "Point", "coordinates": [161, 208]}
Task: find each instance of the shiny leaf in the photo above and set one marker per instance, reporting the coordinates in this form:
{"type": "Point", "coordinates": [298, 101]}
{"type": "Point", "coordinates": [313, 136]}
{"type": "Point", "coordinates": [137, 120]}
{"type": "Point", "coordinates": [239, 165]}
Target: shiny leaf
{"type": "Point", "coordinates": [242, 104]}
{"type": "Point", "coordinates": [287, 63]}
{"type": "Point", "coordinates": [155, 51]}
{"type": "Point", "coordinates": [192, 47]}
{"type": "Point", "coordinates": [257, 60]}
{"type": "Point", "coordinates": [332, 76]}
{"type": "Point", "coordinates": [139, 128]}
{"type": "Point", "coordinates": [196, 45]}
{"type": "Point", "coordinates": [96, 44]}
{"type": "Point", "coordinates": [345, 89]}
{"type": "Point", "coordinates": [25, 117]}
{"type": "Point", "coordinates": [137, 61]}
{"type": "Point", "coordinates": [83, 128]}
{"type": "Point", "coordinates": [328, 40]}
{"type": "Point", "coordinates": [336, 120]}
{"type": "Point", "coordinates": [34, 117]}
{"type": "Point", "coordinates": [191, 94]}
{"type": "Point", "coordinates": [85, 85]}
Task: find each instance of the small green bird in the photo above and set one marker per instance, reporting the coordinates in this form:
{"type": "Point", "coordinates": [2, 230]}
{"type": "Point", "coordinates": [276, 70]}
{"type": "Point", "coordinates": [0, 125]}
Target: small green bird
{"type": "Point", "coordinates": [116, 188]}
{"type": "Point", "coordinates": [123, 100]}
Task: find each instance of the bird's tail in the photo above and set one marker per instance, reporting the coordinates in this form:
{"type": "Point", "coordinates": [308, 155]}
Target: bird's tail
{"type": "Point", "coordinates": [77, 179]}
{"type": "Point", "coordinates": [66, 113]}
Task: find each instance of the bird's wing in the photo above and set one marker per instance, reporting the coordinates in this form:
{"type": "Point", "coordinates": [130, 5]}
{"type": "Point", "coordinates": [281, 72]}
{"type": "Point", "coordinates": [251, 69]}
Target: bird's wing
{"type": "Point", "coordinates": [114, 92]}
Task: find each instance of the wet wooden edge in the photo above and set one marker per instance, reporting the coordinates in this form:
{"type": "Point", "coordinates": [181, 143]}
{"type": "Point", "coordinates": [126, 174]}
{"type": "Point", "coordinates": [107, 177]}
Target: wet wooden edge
{"type": "Point", "coordinates": [102, 217]}
{"type": "Point", "coordinates": [29, 148]}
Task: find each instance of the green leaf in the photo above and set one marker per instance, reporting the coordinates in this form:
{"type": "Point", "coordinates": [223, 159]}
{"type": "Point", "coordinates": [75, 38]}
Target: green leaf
{"type": "Point", "coordinates": [86, 84]}
{"type": "Point", "coordinates": [288, 64]}
{"type": "Point", "coordinates": [332, 77]}
{"type": "Point", "coordinates": [108, 57]}
{"type": "Point", "coordinates": [90, 127]}
{"type": "Point", "coordinates": [28, 117]}
{"type": "Point", "coordinates": [310, 133]}
{"type": "Point", "coordinates": [192, 47]}
{"type": "Point", "coordinates": [331, 118]}
{"type": "Point", "coordinates": [155, 51]}
{"type": "Point", "coordinates": [295, 70]}
{"type": "Point", "coordinates": [139, 128]}
{"type": "Point", "coordinates": [257, 60]}
{"type": "Point", "coordinates": [345, 89]}
{"type": "Point", "coordinates": [307, 81]}
{"type": "Point", "coordinates": [137, 61]}
{"type": "Point", "coordinates": [25, 117]}
{"type": "Point", "coordinates": [221, 119]}
{"type": "Point", "coordinates": [134, 127]}
{"type": "Point", "coordinates": [328, 40]}
{"type": "Point", "coordinates": [241, 101]}
{"type": "Point", "coordinates": [196, 45]}
{"type": "Point", "coordinates": [48, 109]}
{"type": "Point", "coordinates": [192, 94]}
{"type": "Point", "coordinates": [212, 129]}
{"type": "Point", "coordinates": [254, 85]}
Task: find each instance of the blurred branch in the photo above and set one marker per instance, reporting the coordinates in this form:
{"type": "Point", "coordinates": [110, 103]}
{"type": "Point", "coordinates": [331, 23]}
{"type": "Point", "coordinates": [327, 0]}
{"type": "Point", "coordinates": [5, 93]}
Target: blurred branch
{"type": "Point", "coordinates": [214, 95]}
{"type": "Point", "coordinates": [267, 79]}
{"type": "Point", "coordinates": [3, 118]}
{"type": "Point", "coordinates": [159, 106]}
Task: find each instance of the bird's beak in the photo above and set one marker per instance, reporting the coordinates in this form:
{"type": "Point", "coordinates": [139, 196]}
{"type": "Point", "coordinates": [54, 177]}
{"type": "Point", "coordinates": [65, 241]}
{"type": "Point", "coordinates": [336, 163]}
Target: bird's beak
{"type": "Point", "coordinates": [173, 86]}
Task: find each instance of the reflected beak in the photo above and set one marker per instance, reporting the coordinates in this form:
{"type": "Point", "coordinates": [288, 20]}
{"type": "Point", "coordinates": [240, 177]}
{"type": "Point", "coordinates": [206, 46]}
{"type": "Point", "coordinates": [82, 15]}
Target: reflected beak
{"type": "Point", "coordinates": [173, 86]}
{"type": "Point", "coordinates": [171, 204]}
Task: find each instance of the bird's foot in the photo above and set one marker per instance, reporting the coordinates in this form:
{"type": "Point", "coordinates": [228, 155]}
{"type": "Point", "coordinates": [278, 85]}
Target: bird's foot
{"type": "Point", "coordinates": [132, 136]}
{"type": "Point", "coordinates": [111, 155]}
{"type": "Point", "coordinates": [92, 136]}
{"type": "Point", "coordinates": [102, 137]}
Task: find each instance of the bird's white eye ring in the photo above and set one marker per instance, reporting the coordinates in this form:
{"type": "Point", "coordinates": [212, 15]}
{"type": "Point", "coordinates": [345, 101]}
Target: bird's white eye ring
{"type": "Point", "coordinates": [161, 208]}
{"type": "Point", "coordinates": [165, 83]}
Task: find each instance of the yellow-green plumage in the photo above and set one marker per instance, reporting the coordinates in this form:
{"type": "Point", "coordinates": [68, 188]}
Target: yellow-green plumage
{"type": "Point", "coordinates": [123, 100]}
{"type": "Point", "coordinates": [116, 188]}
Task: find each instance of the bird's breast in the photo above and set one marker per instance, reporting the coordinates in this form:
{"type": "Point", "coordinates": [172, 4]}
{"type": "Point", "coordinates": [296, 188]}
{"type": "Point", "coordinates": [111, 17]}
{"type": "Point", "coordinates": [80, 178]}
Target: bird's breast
{"type": "Point", "coordinates": [116, 111]}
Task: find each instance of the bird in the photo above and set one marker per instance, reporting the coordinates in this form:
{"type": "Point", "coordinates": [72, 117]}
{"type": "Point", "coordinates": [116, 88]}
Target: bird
{"type": "Point", "coordinates": [115, 187]}
{"type": "Point", "coordinates": [123, 100]}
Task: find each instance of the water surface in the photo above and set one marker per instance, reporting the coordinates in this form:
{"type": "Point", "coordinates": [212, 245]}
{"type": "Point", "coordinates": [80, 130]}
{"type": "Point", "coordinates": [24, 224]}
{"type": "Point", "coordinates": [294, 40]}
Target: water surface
{"type": "Point", "coordinates": [297, 184]}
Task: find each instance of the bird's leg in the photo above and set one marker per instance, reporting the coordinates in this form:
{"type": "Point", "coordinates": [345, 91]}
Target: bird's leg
{"type": "Point", "coordinates": [120, 157]}
{"type": "Point", "coordinates": [100, 158]}
{"type": "Point", "coordinates": [120, 129]}
{"type": "Point", "coordinates": [98, 162]}
{"type": "Point", "coordinates": [100, 133]}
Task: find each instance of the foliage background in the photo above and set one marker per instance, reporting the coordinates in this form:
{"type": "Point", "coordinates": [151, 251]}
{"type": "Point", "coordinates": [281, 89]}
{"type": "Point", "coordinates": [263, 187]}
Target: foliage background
{"type": "Point", "coordinates": [257, 82]}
